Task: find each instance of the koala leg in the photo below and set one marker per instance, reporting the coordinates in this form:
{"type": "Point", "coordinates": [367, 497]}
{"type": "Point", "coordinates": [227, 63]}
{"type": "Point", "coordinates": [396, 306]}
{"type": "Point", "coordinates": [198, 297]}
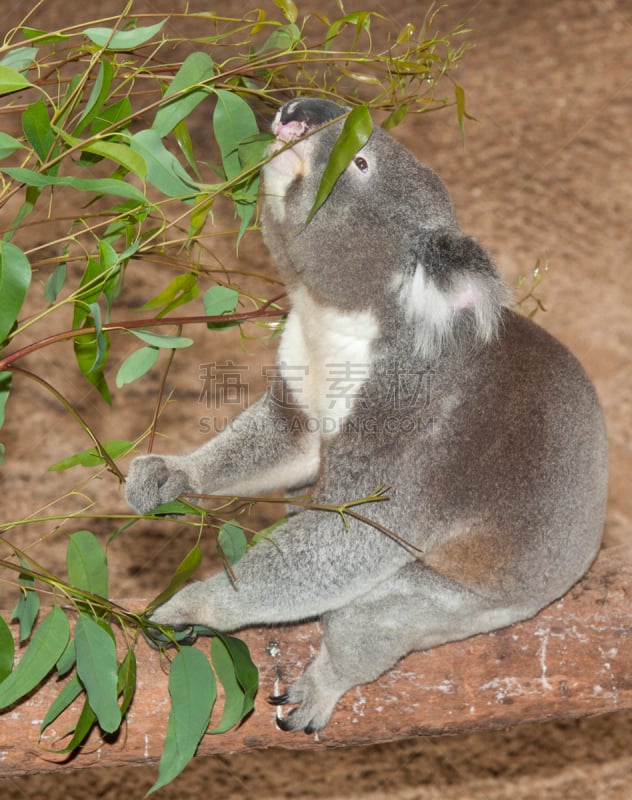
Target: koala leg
{"type": "Point", "coordinates": [416, 609]}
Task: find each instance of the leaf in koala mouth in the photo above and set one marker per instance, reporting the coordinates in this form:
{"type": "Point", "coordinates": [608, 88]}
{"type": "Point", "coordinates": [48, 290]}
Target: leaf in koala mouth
{"type": "Point", "coordinates": [355, 133]}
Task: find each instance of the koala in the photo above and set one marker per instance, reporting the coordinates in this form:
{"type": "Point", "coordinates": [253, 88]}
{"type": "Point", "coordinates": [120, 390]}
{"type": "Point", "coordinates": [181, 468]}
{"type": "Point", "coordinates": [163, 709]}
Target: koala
{"type": "Point", "coordinates": [415, 374]}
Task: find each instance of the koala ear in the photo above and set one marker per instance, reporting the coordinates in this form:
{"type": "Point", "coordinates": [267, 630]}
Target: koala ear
{"type": "Point", "coordinates": [454, 295]}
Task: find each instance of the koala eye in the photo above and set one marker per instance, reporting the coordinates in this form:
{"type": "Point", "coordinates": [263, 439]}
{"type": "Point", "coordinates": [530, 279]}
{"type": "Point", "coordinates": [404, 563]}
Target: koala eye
{"type": "Point", "coordinates": [361, 163]}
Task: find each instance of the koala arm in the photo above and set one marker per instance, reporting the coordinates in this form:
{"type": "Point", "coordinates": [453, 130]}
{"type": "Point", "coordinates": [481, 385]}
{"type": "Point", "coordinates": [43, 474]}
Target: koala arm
{"type": "Point", "coordinates": [265, 448]}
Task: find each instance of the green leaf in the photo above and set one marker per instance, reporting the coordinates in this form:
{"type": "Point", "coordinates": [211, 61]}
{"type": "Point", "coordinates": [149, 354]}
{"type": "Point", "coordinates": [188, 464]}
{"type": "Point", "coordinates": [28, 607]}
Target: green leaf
{"type": "Point", "coordinates": [241, 146]}
{"type": "Point", "coordinates": [47, 644]}
{"type": "Point", "coordinates": [37, 129]}
{"type": "Point", "coordinates": [232, 541]}
{"type": "Point", "coordinates": [239, 679]}
{"type": "Point", "coordinates": [87, 563]}
{"type": "Point", "coordinates": [112, 115]}
{"type": "Point", "coordinates": [12, 81]}
{"type": "Point", "coordinates": [119, 153]}
{"type": "Point", "coordinates": [193, 691]}
{"type": "Point", "coordinates": [127, 680]}
{"type": "Point", "coordinates": [162, 340]}
{"type": "Point", "coordinates": [196, 69]}
{"type": "Point", "coordinates": [8, 145]}
{"type": "Point", "coordinates": [7, 649]}
{"type": "Point", "coordinates": [55, 282]}
{"type": "Point", "coordinates": [186, 568]}
{"type": "Point", "coordinates": [355, 133]}
{"type": "Point", "coordinates": [219, 300]}
{"type": "Point", "coordinates": [459, 95]}
{"type": "Point", "coordinates": [116, 448]}
{"type": "Point", "coordinates": [98, 671]}
{"type": "Point", "coordinates": [20, 59]}
{"type": "Point", "coordinates": [67, 659]}
{"type": "Point", "coordinates": [15, 279]}
{"type": "Point", "coordinates": [284, 38]}
{"type": "Point", "coordinates": [6, 379]}
{"type": "Point", "coordinates": [43, 36]}
{"type": "Point", "coordinates": [289, 9]}
{"type": "Point", "coordinates": [86, 353]}
{"type": "Point", "coordinates": [94, 185]}
{"type": "Point", "coordinates": [176, 508]}
{"type": "Point", "coordinates": [395, 117]}
{"type": "Point", "coordinates": [65, 698]}
{"type": "Point", "coordinates": [246, 671]}
{"type": "Point", "coordinates": [28, 605]}
{"type": "Point", "coordinates": [234, 122]}
{"type": "Point", "coordinates": [136, 365]}
{"type": "Point", "coordinates": [164, 171]}
{"type": "Point", "coordinates": [98, 95]}
{"type": "Point", "coordinates": [85, 723]}
{"type": "Point", "coordinates": [179, 291]}
{"type": "Point", "coordinates": [122, 40]}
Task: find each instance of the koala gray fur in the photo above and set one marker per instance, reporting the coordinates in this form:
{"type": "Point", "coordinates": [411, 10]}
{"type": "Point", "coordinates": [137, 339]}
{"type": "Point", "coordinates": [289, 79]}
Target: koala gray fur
{"type": "Point", "coordinates": [497, 469]}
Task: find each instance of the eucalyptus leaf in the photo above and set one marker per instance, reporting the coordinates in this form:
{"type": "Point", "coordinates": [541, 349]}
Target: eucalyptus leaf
{"type": "Point", "coordinates": [46, 645]}
{"type": "Point", "coordinates": [12, 81]}
{"type": "Point", "coordinates": [220, 300]}
{"type": "Point", "coordinates": [8, 144]}
{"type": "Point", "coordinates": [15, 279]}
{"type": "Point", "coordinates": [7, 649]}
{"type": "Point", "coordinates": [136, 365]}
{"type": "Point", "coordinates": [239, 679]}
{"type": "Point", "coordinates": [122, 40]}
{"type": "Point", "coordinates": [55, 282]}
{"type": "Point", "coordinates": [98, 95]}
{"type": "Point", "coordinates": [193, 690]}
{"type": "Point", "coordinates": [94, 185]}
{"type": "Point", "coordinates": [185, 569]}
{"type": "Point", "coordinates": [28, 605]}
{"type": "Point", "coordinates": [87, 564]}
{"type": "Point", "coordinates": [20, 59]}
{"type": "Point", "coordinates": [232, 541]}
{"type": "Point", "coordinates": [162, 340]}
{"type": "Point", "coordinates": [97, 668]}
{"type": "Point", "coordinates": [355, 133]}
{"type": "Point", "coordinates": [127, 680]}
{"type": "Point", "coordinates": [37, 129]}
{"type": "Point", "coordinates": [6, 379]}
{"type": "Point", "coordinates": [164, 171]}
{"type": "Point", "coordinates": [116, 448]}
{"type": "Point", "coordinates": [184, 94]}
{"type": "Point", "coordinates": [64, 699]}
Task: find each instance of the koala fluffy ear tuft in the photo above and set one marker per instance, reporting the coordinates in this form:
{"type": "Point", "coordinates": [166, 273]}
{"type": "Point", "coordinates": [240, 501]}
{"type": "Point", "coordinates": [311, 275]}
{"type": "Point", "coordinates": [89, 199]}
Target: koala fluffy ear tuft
{"type": "Point", "coordinates": [454, 295]}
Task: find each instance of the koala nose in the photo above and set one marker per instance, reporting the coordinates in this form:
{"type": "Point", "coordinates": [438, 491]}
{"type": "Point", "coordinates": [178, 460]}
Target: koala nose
{"type": "Point", "coordinates": [310, 113]}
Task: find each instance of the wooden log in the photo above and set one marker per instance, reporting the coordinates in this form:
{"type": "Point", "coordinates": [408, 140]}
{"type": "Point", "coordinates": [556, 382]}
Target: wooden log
{"type": "Point", "coordinates": [574, 659]}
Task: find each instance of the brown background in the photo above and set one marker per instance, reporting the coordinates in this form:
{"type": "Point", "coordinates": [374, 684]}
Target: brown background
{"type": "Point", "coordinates": [545, 173]}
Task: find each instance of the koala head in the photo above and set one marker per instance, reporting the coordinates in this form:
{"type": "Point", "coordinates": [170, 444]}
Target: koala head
{"type": "Point", "coordinates": [386, 238]}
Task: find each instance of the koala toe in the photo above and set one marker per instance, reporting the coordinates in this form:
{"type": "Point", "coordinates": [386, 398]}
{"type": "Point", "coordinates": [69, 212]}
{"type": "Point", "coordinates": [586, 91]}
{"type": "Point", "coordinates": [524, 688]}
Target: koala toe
{"type": "Point", "coordinates": [314, 705]}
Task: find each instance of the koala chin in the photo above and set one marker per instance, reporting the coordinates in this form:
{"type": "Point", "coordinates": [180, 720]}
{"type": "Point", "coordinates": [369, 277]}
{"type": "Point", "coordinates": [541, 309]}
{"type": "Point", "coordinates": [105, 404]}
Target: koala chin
{"type": "Point", "coordinates": [415, 374]}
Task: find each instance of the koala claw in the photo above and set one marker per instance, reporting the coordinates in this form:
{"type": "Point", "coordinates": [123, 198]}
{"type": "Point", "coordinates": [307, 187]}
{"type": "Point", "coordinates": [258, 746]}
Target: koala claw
{"type": "Point", "coordinates": [279, 699]}
{"type": "Point", "coordinates": [183, 635]}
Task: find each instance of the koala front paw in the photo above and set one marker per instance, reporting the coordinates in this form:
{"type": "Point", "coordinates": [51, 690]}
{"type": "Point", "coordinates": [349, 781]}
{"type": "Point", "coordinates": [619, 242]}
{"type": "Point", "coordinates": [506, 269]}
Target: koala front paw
{"type": "Point", "coordinates": [153, 480]}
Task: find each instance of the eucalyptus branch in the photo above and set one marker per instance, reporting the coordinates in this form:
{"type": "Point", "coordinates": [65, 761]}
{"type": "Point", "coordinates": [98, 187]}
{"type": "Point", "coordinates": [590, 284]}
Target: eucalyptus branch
{"type": "Point", "coordinates": [264, 312]}
{"type": "Point", "coordinates": [103, 453]}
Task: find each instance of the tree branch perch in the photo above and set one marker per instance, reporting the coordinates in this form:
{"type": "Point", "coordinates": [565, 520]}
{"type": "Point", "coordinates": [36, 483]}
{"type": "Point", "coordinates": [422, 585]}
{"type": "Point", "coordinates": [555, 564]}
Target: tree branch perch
{"type": "Point", "coordinates": [574, 659]}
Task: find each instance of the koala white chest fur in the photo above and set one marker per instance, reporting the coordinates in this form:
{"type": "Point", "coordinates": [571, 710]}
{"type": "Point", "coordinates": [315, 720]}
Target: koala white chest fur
{"type": "Point", "coordinates": [326, 344]}
{"type": "Point", "coordinates": [401, 365]}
